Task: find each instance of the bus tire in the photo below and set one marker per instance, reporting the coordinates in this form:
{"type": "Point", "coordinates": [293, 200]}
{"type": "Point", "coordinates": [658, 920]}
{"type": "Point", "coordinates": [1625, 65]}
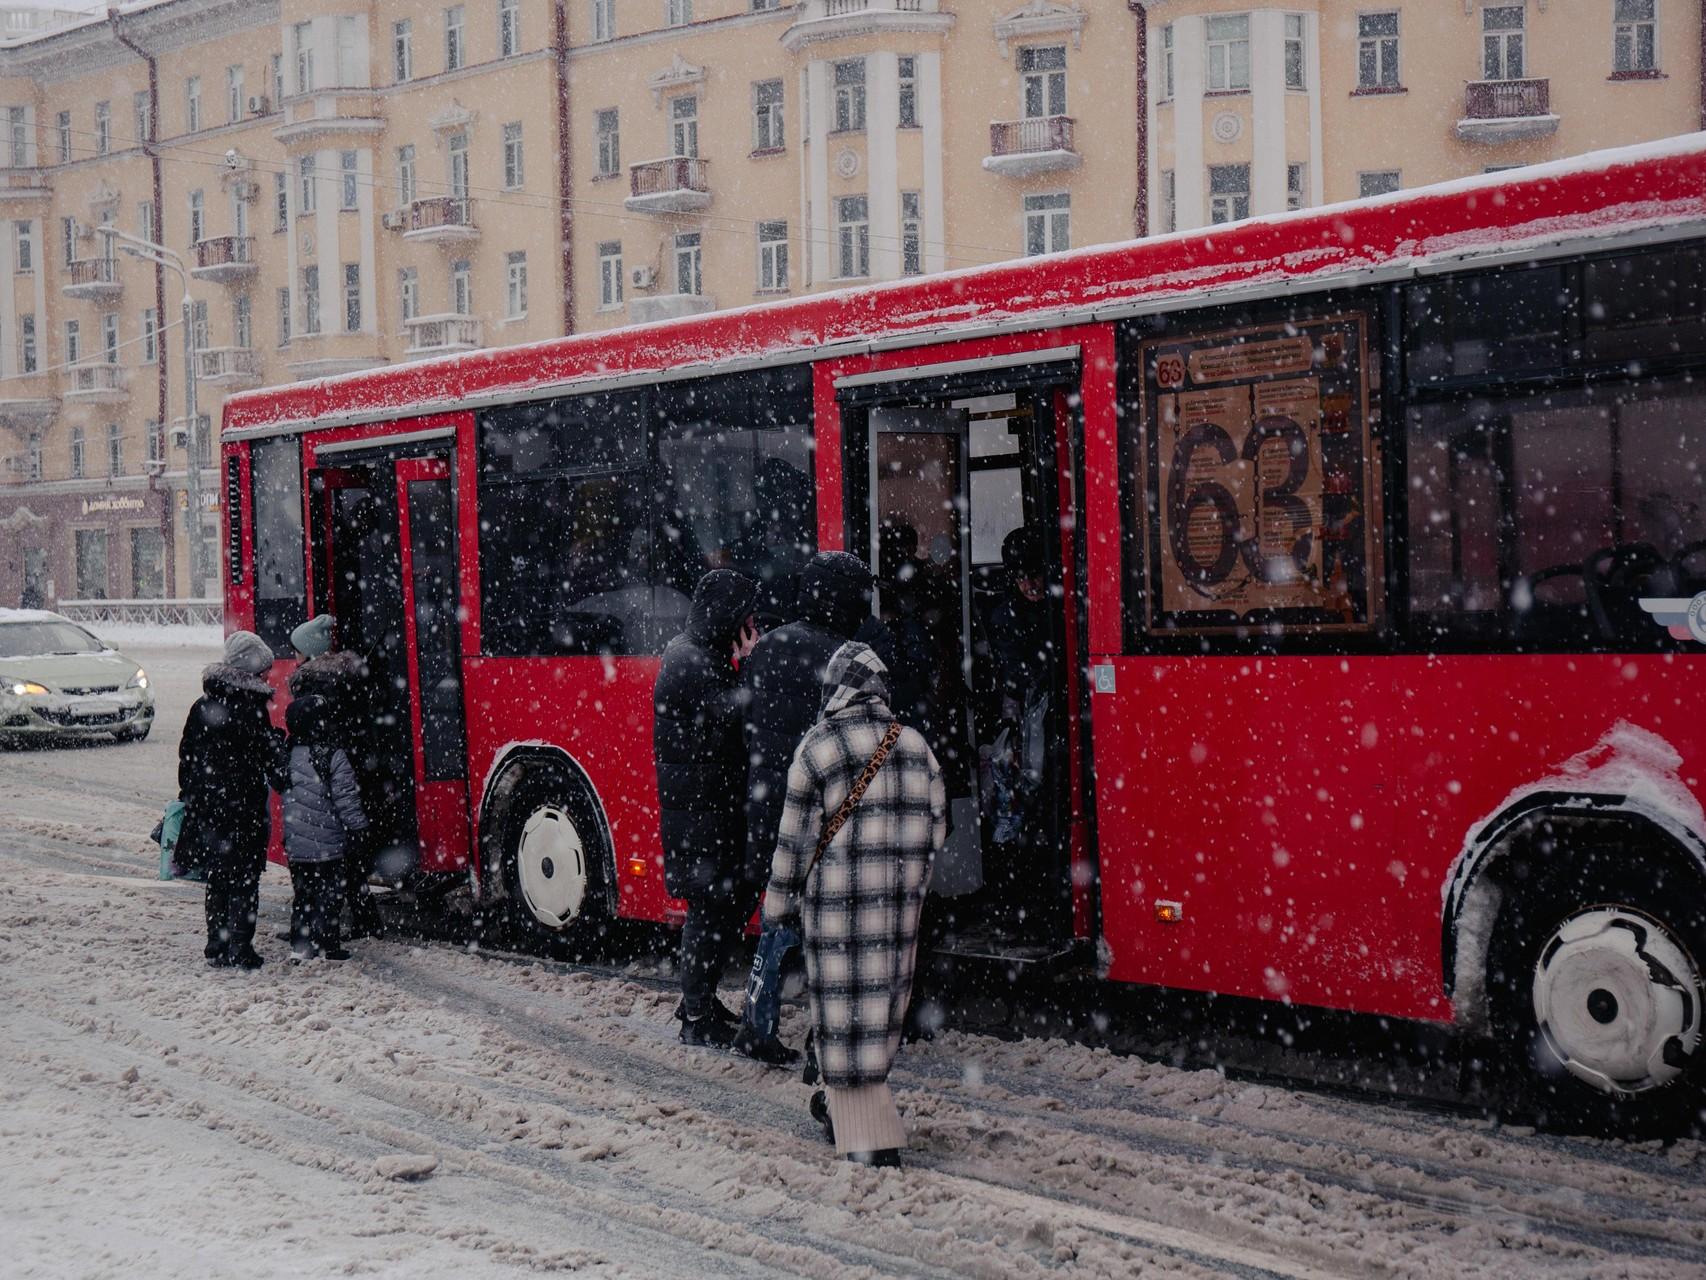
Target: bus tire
{"type": "Point", "coordinates": [1595, 987]}
{"type": "Point", "coordinates": [549, 850]}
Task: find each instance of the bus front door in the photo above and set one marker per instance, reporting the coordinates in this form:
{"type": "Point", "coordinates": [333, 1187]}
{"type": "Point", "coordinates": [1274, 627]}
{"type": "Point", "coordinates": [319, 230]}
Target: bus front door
{"type": "Point", "coordinates": [426, 509]}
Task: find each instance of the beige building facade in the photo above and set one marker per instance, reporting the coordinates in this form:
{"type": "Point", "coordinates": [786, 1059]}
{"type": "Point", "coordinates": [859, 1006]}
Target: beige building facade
{"type": "Point", "coordinates": [348, 183]}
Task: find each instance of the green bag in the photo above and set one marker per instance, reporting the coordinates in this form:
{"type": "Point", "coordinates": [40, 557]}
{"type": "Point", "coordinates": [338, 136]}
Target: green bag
{"type": "Point", "coordinates": [166, 833]}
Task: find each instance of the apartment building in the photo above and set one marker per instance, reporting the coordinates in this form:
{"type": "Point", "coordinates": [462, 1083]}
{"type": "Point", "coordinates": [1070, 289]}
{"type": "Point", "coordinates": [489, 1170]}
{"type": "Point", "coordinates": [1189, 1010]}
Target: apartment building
{"type": "Point", "coordinates": [346, 183]}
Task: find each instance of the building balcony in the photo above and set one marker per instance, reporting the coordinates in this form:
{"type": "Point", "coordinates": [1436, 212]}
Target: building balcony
{"type": "Point", "coordinates": [1041, 144]}
{"type": "Point", "coordinates": [93, 278]}
{"type": "Point", "coordinates": [1506, 111]}
{"type": "Point", "coordinates": [441, 335]}
{"type": "Point", "coordinates": [228, 367]}
{"type": "Point", "coordinates": [669, 306]}
{"type": "Point", "coordinates": [680, 184]}
{"type": "Point", "coordinates": [441, 220]}
{"type": "Point", "coordinates": [24, 185]}
{"type": "Point", "coordinates": [224, 258]}
{"type": "Point", "coordinates": [97, 383]}
{"type": "Point", "coordinates": [816, 20]}
{"type": "Point", "coordinates": [28, 405]}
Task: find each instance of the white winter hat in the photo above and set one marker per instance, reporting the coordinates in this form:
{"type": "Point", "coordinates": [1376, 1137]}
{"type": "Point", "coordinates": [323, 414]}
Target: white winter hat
{"type": "Point", "coordinates": [248, 653]}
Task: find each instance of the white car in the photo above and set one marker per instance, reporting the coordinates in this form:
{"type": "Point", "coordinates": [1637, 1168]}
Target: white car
{"type": "Point", "coordinates": [59, 681]}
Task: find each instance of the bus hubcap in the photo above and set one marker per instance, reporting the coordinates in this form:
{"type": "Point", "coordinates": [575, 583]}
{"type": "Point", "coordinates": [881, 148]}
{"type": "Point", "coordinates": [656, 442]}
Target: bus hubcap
{"type": "Point", "coordinates": [551, 863]}
{"type": "Point", "coordinates": [1617, 999]}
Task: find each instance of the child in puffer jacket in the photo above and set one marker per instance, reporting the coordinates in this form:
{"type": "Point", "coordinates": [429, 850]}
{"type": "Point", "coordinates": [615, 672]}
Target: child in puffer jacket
{"type": "Point", "coordinates": [321, 810]}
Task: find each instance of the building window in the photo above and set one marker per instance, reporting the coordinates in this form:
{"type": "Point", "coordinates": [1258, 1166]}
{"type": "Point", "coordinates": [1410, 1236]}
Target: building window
{"type": "Point", "coordinates": [115, 450]}
{"type": "Point", "coordinates": [609, 275]}
{"type": "Point", "coordinates": [302, 44]}
{"type": "Point", "coordinates": [1501, 41]}
{"type": "Point", "coordinates": [461, 287]}
{"type": "Point", "coordinates": [458, 147]}
{"type": "Point", "coordinates": [1048, 223]}
{"type": "Point", "coordinates": [1294, 77]}
{"type": "Point", "coordinates": [603, 20]}
{"type": "Point", "coordinates": [27, 343]}
{"type": "Point", "coordinates": [1169, 202]}
{"type": "Point", "coordinates": [403, 51]}
{"type": "Point", "coordinates": [677, 13]}
{"type": "Point", "coordinates": [853, 237]}
{"type": "Point", "coordinates": [1167, 62]}
{"type": "Point", "coordinates": [198, 326]}
{"type": "Point", "coordinates": [908, 92]}
{"type": "Point", "coordinates": [509, 28]}
{"type": "Point", "coordinates": [198, 218]}
{"type": "Point", "coordinates": [284, 317]}
{"type": "Point", "coordinates": [911, 234]}
{"type": "Point", "coordinates": [233, 94]}
{"type": "Point", "coordinates": [192, 104]}
{"type": "Point", "coordinates": [1228, 192]}
{"type": "Point", "coordinates": [1296, 178]}
{"type": "Point", "coordinates": [351, 68]}
{"type": "Point", "coordinates": [766, 6]}
{"type": "Point", "coordinates": [1634, 37]}
{"type": "Point", "coordinates": [684, 124]}
{"type": "Point", "coordinates": [453, 50]}
{"type": "Point", "coordinates": [1228, 41]}
{"type": "Point", "coordinates": [515, 285]}
{"type": "Point", "coordinates": [609, 143]}
{"type": "Point", "coordinates": [19, 137]}
{"type": "Point", "coordinates": [689, 278]}
{"type": "Point", "coordinates": [1377, 182]}
{"type": "Point", "coordinates": [203, 427]}
{"type": "Point", "coordinates": [142, 118]}
{"type": "Point", "coordinates": [850, 96]}
{"type": "Point", "coordinates": [767, 116]}
{"type": "Point", "coordinates": [311, 300]}
{"type": "Point", "coordinates": [515, 174]}
{"type": "Point", "coordinates": [305, 171]}
{"type": "Point", "coordinates": [242, 330]}
{"type": "Point", "coordinates": [24, 235]}
{"type": "Point", "coordinates": [1377, 50]}
{"type": "Point", "coordinates": [68, 239]}
{"type": "Point", "coordinates": [409, 293]}
{"type": "Point", "coordinates": [62, 126]}
{"type": "Point", "coordinates": [109, 337]}
{"type": "Point", "coordinates": [772, 257]}
{"type": "Point", "coordinates": [154, 440]}
{"type": "Point", "coordinates": [281, 201]}
{"type": "Point", "coordinates": [145, 221]}
{"type": "Point", "coordinates": [1042, 80]}
{"type": "Point", "coordinates": [277, 81]}
{"type": "Point", "coordinates": [406, 174]}
{"type": "Point", "coordinates": [150, 336]}
{"type": "Point", "coordinates": [347, 176]}
{"type": "Point", "coordinates": [103, 128]}
{"type": "Point", "coordinates": [352, 297]}
{"type": "Point", "coordinates": [77, 455]}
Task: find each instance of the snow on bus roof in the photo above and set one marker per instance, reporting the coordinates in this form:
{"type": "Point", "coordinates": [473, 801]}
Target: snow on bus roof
{"type": "Point", "coordinates": [1532, 208]}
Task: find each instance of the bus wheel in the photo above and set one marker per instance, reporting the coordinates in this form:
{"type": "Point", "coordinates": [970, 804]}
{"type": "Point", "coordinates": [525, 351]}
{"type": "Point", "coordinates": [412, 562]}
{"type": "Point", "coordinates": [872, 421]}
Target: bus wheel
{"type": "Point", "coordinates": [551, 855]}
{"type": "Point", "coordinates": [1596, 989]}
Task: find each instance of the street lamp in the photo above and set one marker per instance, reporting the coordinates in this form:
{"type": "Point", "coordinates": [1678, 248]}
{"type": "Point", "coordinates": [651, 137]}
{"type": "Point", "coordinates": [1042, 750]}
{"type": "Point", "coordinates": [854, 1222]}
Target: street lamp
{"type": "Point", "coordinates": [161, 256]}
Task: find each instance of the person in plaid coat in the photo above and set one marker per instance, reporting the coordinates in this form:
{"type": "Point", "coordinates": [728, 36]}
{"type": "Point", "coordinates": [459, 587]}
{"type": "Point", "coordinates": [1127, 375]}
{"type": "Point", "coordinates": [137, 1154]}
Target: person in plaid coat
{"type": "Point", "coordinates": [858, 907]}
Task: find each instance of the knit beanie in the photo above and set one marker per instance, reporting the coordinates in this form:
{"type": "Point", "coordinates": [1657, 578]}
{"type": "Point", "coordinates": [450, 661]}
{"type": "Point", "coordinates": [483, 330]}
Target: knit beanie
{"type": "Point", "coordinates": [314, 637]}
{"type": "Point", "coordinates": [248, 653]}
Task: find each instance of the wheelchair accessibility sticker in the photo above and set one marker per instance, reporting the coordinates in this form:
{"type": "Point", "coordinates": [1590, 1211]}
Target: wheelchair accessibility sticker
{"type": "Point", "coordinates": [1684, 619]}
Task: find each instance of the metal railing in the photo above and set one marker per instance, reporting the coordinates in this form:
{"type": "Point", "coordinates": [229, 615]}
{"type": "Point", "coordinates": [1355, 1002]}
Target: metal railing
{"type": "Point", "coordinates": [660, 177]}
{"type": "Point", "coordinates": [24, 180]}
{"type": "Point", "coordinates": [1025, 137]}
{"type": "Point", "coordinates": [99, 376]}
{"type": "Point", "coordinates": [174, 613]}
{"type": "Point", "coordinates": [227, 362]}
{"type": "Point", "coordinates": [1506, 99]}
{"type": "Point", "coordinates": [439, 333]}
{"type": "Point", "coordinates": [441, 211]}
{"type": "Point", "coordinates": [86, 271]}
{"type": "Point", "coordinates": [225, 251]}
{"type": "Point", "coordinates": [841, 8]}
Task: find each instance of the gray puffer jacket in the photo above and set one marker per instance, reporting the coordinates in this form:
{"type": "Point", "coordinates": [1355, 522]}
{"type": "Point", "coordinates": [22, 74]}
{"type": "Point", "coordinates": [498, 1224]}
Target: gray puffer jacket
{"type": "Point", "coordinates": [323, 805]}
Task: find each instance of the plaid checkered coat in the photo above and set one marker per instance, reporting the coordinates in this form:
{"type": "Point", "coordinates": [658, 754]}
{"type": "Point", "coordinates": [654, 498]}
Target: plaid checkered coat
{"type": "Point", "coordinates": [859, 907]}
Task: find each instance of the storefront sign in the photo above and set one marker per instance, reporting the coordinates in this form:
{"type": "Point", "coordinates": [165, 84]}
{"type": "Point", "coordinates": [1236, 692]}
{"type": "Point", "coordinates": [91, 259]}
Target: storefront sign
{"type": "Point", "coordinates": [91, 506]}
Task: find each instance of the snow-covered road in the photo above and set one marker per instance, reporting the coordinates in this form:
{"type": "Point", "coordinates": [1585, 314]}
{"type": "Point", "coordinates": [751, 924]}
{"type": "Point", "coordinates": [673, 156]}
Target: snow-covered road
{"type": "Point", "coordinates": [158, 1119]}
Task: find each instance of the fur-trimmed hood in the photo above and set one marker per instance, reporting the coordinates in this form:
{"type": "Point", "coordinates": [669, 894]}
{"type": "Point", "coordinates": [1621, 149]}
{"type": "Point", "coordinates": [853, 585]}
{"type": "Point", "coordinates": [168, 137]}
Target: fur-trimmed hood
{"type": "Point", "coordinates": [222, 680]}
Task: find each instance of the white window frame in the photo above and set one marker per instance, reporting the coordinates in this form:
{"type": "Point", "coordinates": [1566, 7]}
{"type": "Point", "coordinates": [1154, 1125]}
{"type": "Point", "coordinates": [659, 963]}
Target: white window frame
{"type": "Point", "coordinates": [1048, 222]}
{"type": "Point", "coordinates": [1379, 53]}
{"type": "Point", "coordinates": [689, 261]}
{"type": "Point", "coordinates": [773, 256]}
{"type": "Point", "coordinates": [78, 446]}
{"type": "Point", "coordinates": [610, 280]}
{"type": "Point", "coordinates": [115, 449]}
{"type": "Point", "coordinates": [198, 218]}
{"type": "Point", "coordinates": [768, 121]}
{"type": "Point", "coordinates": [403, 51]}
{"type": "Point", "coordinates": [307, 199]}
{"type": "Point", "coordinates": [310, 300]}
{"type": "Point", "coordinates": [1626, 52]}
{"type": "Point", "coordinates": [242, 322]}
{"type": "Point", "coordinates": [408, 293]}
{"type": "Point", "coordinates": [1042, 86]}
{"type": "Point", "coordinates": [150, 336]}
{"type": "Point", "coordinates": [609, 140]}
{"type": "Point", "coordinates": [1167, 64]}
{"type": "Point", "coordinates": [347, 51]}
{"type": "Point", "coordinates": [908, 104]}
{"type": "Point", "coordinates": [284, 316]}
{"type": "Point", "coordinates": [109, 337]}
{"type": "Point", "coordinates": [455, 29]}
{"type": "Point", "coordinates": [406, 187]}
{"type": "Point", "coordinates": [515, 285]}
{"type": "Point", "coordinates": [677, 13]}
{"type": "Point", "coordinates": [302, 45]}
{"type": "Point", "coordinates": [1233, 203]}
{"type": "Point", "coordinates": [349, 185]}
{"type": "Point", "coordinates": [911, 233]}
{"type": "Point", "coordinates": [1504, 50]}
{"type": "Point", "coordinates": [352, 297]}
{"type": "Point", "coordinates": [62, 124]}
{"type": "Point", "coordinates": [1227, 55]}
{"type": "Point", "coordinates": [684, 124]}
{"type": "Point", "coordinates": [603, 21]}
{"type": "Point", "coordinates": [234, 105]}
{"type": "Point", "coordinates": [1169, 202]}
{"type": "Point", "coordinates": [103, 128]}
{"type": "Point", "coordinates": [24, 245]}
{"type": "Point", "coordinates": [847, 77]}
{"type": "Point", "coordinates": [462, 287]}
{"type": "Point", "coordinates": [192, 104]}
{"type": "Point", "coordinates": [509, 28]}
{"type": "Point", "coordinates": [853, 237]}
{"type": "Point", "coordinates": [1295, 57]}
{"type": "Point", "coordinates": [1296, 186]}
{"type": "Point", "coordinates": [281, 200]}
{"type": "Point", "coordinates": [515, 166]}
{"type": "Point", "coordinates": [1387, 180]}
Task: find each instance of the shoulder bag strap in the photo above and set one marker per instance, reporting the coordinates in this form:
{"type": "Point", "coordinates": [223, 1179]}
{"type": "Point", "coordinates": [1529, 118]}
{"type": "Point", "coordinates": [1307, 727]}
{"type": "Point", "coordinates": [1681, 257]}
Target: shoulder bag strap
{"type": "Point", "coordinates": [839, 818]}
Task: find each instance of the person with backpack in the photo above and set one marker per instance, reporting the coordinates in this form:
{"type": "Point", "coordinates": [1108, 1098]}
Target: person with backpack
{"type": "Point", "coordinates": [228, 758]}
{"type": "Point", "coordinates": [322, 813]}
{"type": "Point", "coordinates": [865, 814]}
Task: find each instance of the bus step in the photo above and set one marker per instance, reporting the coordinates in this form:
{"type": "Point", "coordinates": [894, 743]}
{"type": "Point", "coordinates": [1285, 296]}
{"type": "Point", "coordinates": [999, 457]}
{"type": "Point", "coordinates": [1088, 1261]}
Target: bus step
{"type": "Point", "coordinates": [993, 948]}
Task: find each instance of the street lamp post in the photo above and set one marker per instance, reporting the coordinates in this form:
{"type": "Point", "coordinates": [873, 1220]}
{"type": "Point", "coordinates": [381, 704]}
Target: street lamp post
{"type": "Point", "coordinates": [160, 255]}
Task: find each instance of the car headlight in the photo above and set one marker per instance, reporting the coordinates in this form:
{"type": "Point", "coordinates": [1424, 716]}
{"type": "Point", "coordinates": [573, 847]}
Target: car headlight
{"type": "Point", "coordinates": [26, 689]}
{"type": "Point", "coordinates": [139, 680]}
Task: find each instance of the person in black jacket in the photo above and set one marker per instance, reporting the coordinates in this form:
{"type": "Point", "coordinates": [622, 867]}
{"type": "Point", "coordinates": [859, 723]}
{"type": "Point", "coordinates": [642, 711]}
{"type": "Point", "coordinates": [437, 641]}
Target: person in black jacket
{"type": "Point", "coordinates": [783, 680]}
{"type": "Point", "coordinates": [701, 770]}
{"type": "Point", "coordinates": [229, 756]}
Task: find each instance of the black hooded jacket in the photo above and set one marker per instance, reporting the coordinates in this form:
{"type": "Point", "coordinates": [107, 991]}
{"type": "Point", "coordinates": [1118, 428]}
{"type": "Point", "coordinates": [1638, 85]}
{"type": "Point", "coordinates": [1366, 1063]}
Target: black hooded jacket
{"type": "Point", "coordinates": [696, 742]}
{"type": "Point", "coordinates": [783, 678]}
{"type": "Point", "coordinates": [228, 758]}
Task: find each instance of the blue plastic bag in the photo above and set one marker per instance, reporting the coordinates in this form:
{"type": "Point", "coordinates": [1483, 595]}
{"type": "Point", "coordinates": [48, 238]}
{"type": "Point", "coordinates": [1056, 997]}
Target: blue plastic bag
{"type": "Point", "coordinates": [171, 825]}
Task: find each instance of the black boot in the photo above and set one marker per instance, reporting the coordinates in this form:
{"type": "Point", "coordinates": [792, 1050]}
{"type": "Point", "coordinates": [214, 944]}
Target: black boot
{"type": "Point", "coordinates": [708, 1032]}
{"type": "Point", "coordinates": [766, 1049]}
{"type": "Point", "coordinates": [887, 1158]}
{"type": "Point", "coordinates": [819, 1107]}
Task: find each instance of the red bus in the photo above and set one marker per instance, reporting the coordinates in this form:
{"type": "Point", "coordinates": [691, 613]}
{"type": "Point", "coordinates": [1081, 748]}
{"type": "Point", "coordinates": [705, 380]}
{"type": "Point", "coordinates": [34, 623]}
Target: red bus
{"type": "Point", "coordinates": [1373, 533]}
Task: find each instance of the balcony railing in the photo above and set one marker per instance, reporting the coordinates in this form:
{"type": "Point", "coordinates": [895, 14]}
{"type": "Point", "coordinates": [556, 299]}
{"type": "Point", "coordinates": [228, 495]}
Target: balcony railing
{"type": "Point", "coordinates": [441, 218]}
{"type": "Point", "coordinates": [430, 335]}
{"type": "Point", "coordinates": [24, 182]}
{"type": "Point", "coordinates": [841, 8]}
{"type": "Point", "coordinates": [225, 366]}
{"type": "Point", "coordinates": [679, 184]}
{"type": "Point", "coordinates": [224, 257]}
{"type": "Point", "coordinates": [98, 380]}
{"type": "Point", "coordinates": [1034, 145]}
{"type": "Point", "coordinates": [817, 20]}
{"type": "Point", "coordinates": [1504, 110]}
{"type": "Point", "coordinates": [92, 278]}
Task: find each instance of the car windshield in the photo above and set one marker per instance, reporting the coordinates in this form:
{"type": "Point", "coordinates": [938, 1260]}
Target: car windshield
{"type": "Point", "coordinates": [35, 639]}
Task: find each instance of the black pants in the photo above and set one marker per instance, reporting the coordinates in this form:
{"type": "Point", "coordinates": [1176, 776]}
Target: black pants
{"type": "Point", "coordinates": [716, 922]}
{"type": "Point", "coordinates": [355, 868]}
{"type": "Point", "coordinates": [233, 898]}
{"type": "Point", "coordinates": [317, 902]}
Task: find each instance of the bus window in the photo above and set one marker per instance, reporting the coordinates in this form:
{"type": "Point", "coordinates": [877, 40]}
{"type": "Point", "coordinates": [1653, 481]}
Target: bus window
{"type": "Point", "coordinates": [1499, 323]}
{"type": "Point", "coordinates": [1645, 304]}
{"type": "Point", "coordinates": [281, 599]}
